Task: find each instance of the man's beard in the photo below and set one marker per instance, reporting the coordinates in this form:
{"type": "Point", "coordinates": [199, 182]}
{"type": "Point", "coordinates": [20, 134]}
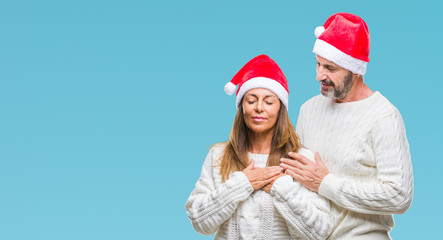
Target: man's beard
{"type": "Point", "coordinates": [339, 92]}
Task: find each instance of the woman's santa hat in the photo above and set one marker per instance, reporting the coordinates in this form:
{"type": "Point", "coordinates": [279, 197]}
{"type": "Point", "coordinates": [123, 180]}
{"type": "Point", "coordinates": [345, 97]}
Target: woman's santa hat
{"type": "Point", "coordinates": [259, 72]}
{"type": "Point", "coordinates": [344, 40]}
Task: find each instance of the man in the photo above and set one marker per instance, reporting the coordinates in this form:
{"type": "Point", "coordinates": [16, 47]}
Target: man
{"type": "Point", "coordinates": [365, 166]}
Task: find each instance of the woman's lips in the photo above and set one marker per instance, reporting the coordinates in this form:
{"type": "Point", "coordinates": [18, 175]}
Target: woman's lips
{"type": "Point", "coordinates": [258, 119]}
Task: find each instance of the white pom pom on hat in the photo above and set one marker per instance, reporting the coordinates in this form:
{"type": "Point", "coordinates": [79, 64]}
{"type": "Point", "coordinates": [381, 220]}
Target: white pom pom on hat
{"type": "Point", "coordinates": [230, 88]}
{"type": "Point", "coordinates": [319, 30]}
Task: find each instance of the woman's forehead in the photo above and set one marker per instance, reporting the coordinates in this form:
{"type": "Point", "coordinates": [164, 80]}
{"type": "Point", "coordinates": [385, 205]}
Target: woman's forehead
{"type": "Point", "coordinates": [260, 92]}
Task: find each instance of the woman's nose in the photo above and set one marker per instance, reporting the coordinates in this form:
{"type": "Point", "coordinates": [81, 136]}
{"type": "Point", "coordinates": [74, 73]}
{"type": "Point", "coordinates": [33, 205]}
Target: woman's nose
{"type": "Point", "coordinates": [259, 106]}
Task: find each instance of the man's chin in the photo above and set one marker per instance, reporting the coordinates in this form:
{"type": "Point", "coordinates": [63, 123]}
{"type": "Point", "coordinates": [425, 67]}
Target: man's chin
{"type": "Point", "coordinates": [326, 93]}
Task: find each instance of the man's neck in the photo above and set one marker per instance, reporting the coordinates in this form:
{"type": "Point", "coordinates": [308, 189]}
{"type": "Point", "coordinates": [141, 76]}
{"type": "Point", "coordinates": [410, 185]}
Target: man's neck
{"type": "Point", "coordinates": [359, 91]}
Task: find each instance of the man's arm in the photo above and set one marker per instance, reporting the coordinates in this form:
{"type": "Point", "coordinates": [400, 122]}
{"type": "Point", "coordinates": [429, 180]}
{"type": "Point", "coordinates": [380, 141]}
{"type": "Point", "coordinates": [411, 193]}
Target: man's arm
{"type": "Point", "coordinates": [392, 191]}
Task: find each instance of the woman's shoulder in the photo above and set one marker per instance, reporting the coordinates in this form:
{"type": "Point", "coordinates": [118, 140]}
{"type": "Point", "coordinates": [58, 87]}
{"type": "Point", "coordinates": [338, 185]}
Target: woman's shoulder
{"type": "Point", "coordinates": [218, 146]}
{"type": "Point", "coordinates": [217, 149]}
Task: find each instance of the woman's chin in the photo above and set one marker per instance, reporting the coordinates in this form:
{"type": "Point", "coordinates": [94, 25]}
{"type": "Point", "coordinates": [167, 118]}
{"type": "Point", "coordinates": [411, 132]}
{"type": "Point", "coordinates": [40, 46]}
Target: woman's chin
{"type": "Point", "coordinates": [260, 129]}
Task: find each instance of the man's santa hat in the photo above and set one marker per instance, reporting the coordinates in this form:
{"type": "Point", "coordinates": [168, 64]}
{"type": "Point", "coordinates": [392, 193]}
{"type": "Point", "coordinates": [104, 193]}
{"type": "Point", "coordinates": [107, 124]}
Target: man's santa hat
{"type": "Point", "coordinates": [344, 40]}
{"type": "Point", "coordinates": [259, 72]}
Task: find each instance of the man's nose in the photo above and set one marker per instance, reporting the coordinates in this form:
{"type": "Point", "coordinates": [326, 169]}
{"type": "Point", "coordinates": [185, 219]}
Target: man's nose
{"type": "Point", "coordinates": [321, 75]}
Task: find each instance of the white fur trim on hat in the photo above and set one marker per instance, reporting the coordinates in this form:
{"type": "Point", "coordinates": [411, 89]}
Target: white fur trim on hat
{"type": "Point", "coordinates": [262, 82]}
{"type": "Point", "coordinates": [331, 53]}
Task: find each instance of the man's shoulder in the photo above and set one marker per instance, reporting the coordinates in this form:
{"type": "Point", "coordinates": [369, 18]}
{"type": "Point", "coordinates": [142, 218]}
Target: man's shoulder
{"type": "Point", "coordinates": [384, 106]}
{"type": "Point", "coordinates": [318, 99]}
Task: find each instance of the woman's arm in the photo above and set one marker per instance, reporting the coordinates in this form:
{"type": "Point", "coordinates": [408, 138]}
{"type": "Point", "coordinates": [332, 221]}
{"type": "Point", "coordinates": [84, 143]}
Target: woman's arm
{"type": "Point", "coordinates": [307, 214]}
{"type": "Point", "coordinates": [209, 205]}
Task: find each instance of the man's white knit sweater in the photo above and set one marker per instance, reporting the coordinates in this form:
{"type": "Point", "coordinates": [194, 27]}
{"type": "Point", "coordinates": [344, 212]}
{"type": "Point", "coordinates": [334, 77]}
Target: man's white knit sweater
{"type": "Point", "coordinates": [364, 146]}
{"type": "Point", "coordinates": [233, 210]}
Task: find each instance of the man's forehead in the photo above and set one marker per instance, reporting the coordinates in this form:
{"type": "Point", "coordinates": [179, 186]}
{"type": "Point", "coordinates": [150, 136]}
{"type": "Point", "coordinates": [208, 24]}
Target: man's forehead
{"type": "Point", "coordinates": [325, 61]}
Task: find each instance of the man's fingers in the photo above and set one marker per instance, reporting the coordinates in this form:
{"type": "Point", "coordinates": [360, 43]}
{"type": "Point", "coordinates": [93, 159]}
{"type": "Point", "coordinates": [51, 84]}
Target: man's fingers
{"type": "Point", "coordinates": [291, 165]}
{"type": "Point", "coordinates": [304, 160]}
{"type": "Point", "coordinates": [290, 162]}
{"type": "Point", "coordinates": [287, 161]}
{"type": "Point", "coordinates": [295, 176]}
{"type": "Point", "coordinates": [318, 159]}
{"type": "Point", "coordinates": [294, 155]}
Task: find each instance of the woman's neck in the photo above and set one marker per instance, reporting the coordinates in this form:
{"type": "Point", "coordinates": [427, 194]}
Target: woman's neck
{"type": "Point", "coordinates": [260, 143]}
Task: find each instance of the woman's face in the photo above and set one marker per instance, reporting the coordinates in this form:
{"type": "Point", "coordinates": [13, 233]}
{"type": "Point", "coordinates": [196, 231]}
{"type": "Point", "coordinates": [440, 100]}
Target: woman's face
{"type": "Point", "coordinates": [261, 108]}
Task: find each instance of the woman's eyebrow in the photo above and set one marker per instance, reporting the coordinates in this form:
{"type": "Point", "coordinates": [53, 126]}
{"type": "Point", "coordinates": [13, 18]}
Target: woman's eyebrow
{"type": "Point", "coordinates": [251, 94]}
{"type": "Point", "coordinates": [270, 96]}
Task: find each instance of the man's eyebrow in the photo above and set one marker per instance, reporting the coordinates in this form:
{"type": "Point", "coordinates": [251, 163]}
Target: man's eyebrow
{"type": "Point", "coordinates": [329, 66]}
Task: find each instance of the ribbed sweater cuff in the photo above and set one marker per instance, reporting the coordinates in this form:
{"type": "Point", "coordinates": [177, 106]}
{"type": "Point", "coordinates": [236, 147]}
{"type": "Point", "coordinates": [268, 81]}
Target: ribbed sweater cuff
{"type": "Point", "coordinates": [281, 185]}
{"type": "Point", "coordinates": [328, 186]}
{"type": "Point", "coordinates": [241, 185]}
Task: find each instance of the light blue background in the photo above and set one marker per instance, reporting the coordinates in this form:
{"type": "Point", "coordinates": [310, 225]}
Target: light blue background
{"type": "Point", "coordinates": [108, 108]}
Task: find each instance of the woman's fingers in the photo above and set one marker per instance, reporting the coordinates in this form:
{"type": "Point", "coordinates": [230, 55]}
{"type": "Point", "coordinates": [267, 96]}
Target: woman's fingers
{"type": "Point", "coordinates": [271, 172]}
{"type": "Point", "coordinates": [259, 177]}
{"type": "Point", "coordinates": [251, 165]}
{"type": "Point", "coordinates": [268, 181]}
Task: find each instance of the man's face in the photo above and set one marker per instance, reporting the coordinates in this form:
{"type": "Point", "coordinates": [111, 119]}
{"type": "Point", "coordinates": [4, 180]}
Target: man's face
{"type": "Point", "coordinates": [335, 81]}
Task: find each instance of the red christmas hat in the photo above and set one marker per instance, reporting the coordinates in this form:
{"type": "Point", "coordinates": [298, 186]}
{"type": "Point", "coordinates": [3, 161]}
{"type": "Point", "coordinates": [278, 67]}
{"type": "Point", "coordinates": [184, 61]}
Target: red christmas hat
{"type": "Point", "coordinates": [259, 72]}
{"type": "Point", "coordinates": [344, 40]}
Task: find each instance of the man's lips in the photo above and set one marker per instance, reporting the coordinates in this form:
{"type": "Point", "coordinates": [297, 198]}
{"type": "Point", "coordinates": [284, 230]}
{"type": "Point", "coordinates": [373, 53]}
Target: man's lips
{"type": "Point", "coordinates": [325, 83]}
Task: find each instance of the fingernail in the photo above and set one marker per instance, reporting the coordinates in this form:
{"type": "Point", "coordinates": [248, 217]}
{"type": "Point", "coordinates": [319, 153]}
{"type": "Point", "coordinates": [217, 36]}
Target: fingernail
{"type": "Point", "coordinates": [282, 159]}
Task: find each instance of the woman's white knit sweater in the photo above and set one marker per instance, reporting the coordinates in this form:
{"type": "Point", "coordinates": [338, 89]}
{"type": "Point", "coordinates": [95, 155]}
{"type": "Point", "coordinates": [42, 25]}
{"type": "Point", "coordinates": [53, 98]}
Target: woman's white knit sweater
{"type": "Point", "coordinates": [233, 210]}
{"type": "Point", "coordinates": [365, 148]}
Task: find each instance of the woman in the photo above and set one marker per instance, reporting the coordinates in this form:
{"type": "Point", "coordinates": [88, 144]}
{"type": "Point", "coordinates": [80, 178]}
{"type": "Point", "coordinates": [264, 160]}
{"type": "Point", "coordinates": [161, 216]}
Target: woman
{"type": "Point", "coordinates": [242, 192]}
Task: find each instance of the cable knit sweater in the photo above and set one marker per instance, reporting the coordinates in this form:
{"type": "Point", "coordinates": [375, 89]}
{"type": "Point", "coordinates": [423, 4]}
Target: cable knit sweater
{"type": "Point", "coordinates": [364, 146]}
{"type": "Point", "coordinates": [233, 210]}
